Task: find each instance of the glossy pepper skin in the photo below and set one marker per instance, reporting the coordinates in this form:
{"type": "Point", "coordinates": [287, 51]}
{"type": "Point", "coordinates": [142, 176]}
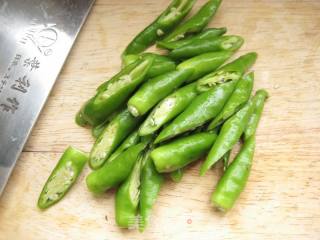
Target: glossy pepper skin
{"type": "Point", "coordinates": [62, 177]}
{"type": "Point", "coordinates": [112, 96]}
{"type": "Point", "coordinates": [260, 98]}
{"type": "Point", "coordinates": [209, 33]}
{"type": "Point", "coordinates": [202, 109]}
{"type": "Point", "coordinates": [204, 63]}
{"type": "Point", "coordinates": [238, 98]}
{"type": "Point", "coordinates": [114, 172]}
{"type": "Point", "coordinates": [197, 47]}
{"type": "Point", "coordinates": [127, 198]}
{"type": "Point", "coordinates": [151, 182]}
{"type": "Point", "coordinates": [115, 132]}
{"type": "Point", "coordinates": [154, 90]}
{"type": "Point", "coordinates": [160, 65]}
{"type": "Point", "coordinates": [229, 135]}
{"type": "Point", "coordinates": [182, 151]}
{"type": "Point", "coordinates": [235, 178]}
{"type": "Point", "coordinates": [195, 23]}
{"type": "Point", "coordinates": [231, 71]}
{"type": "Point", "coordinates": [131, 140]}
{"type": "Point", "coordinates": [177, 175]}
{"type": "Point", "coordinates": [175, 12]}
{"type": "Point", "coordinates": [168, 109]}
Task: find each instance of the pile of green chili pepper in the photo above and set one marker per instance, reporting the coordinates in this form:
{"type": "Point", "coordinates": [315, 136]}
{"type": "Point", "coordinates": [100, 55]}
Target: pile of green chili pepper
{"type": "Point", "coordinates": [160, 113]}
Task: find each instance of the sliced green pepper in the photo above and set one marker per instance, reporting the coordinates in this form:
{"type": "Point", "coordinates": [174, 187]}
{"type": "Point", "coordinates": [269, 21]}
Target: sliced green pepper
{"type": "Point", "coordinates": [261, 96]}
{"type": "Point", "coordinates": [196, 23]}
{"type": "Point", "coordinates": [114, 172]}
{"type": "Point", "coordinates": [131, 140]}
{"type": "Point", "coordinates": [177, 175]}
{"type": "Point", "coordinates": [231, 71]}
{"type": "Point", "coordinates": [168, 108]}
{"type": "Point", "coordinates": [205, 63]}
{"type": "Point", "coordinates": [62, 177]}
{"type": "Point", "coordinates": [151, 182]}
{"type": "Point", "coordinates": [97, 130]}
{"type": "Point", "coordinates": [202, 109]}
{"type": "Point", "coordinates": [235, 178]}
{"type": "Point", "coordinates": [238, 98]}
{"type": "Point", "coordinates": [127, 198]}
{"type": "Point", "coordinates": [112, 96]}
{"type": "Point", "coordinates": [160, 65]}
{"type": "Point", "coordinates": [115, 132]}
{"type": "Point", "coordinates": [197, 47]}
{"type": "Point", "coordinates": [229, 135]}
{"type": "Point", "coordinates": [181, 152]}
{"type": "Point", "coordinates": [175, 12]}
{"type": "Point", "coordinates": [209, 33]}
{"type": "Point", "coordinates": [154, 90]}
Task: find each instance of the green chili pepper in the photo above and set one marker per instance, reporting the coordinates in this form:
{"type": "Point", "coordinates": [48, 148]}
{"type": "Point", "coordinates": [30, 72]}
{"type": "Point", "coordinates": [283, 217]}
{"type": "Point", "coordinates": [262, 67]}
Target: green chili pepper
{"type": "Point", "coordinates": [209, 33]}
{"type": "Point", "coordinates": [196, 23]}
{"type": "Point", "coordinates": [131, 140]}
{"type": "Point", "coordinates": [197, 47]}
{"type": "Point", "coordinates": [116, 131]}
{"type": "Point", "coordinates": [181, 152]}
{"type": "Point", "coordinates": [231, 71]}
{"type": "Point", "coordinates": [261, 96]}
{"type": "Point", "coordinates": [160, 65]}
{"type": "Point", "coordinates": [154, 90]}
{"type": "Point", "coordinates": [202, 109]}
{"type": "Point", "coordinates": [151, 182]}
{"type": "Point", "coordinates": [79, 119]}
{"type": "Point", "coordinates": [112, 96]}
{"type": "Point", "coordinates": [175, 12]}
{"type": "Point", "coordinates": [168, 108]}
{"type": "Point", "coordinates": [97, 130]}
{"type": "Point", "coordinates": [238, 98]}
{"type": "Point", "coordinates": [204, 63]}
{"type": "Point", "coordinates": [229, 135]}
{"type": "Point", "coordinates": [226, 159]}
{"type": "Point", "coordinates": [177, 175]}
{"type": "Point", "coordinates": [114, 172]}
{"type": "Point", "coordinates": [62, 177]}
{"type": "Point", "coordinates": [235, 178]}
{"type": "Point", "coordinates": [127, 198]}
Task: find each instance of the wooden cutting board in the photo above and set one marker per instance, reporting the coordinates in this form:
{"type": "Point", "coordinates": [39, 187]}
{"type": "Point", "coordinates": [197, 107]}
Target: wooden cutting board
{"type": "Point", "coordinates": [282, 198]}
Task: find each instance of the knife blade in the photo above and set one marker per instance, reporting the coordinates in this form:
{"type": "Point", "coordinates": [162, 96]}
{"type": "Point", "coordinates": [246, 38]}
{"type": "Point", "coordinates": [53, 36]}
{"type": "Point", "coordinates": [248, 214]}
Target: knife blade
{"type": "Point", "coordinates": [35, 39]}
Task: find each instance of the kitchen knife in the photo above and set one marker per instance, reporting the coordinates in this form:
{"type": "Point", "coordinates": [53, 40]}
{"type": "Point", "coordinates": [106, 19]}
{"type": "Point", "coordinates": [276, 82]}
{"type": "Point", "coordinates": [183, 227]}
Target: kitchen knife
{"type": "Point", "coordinates": [35, 39]}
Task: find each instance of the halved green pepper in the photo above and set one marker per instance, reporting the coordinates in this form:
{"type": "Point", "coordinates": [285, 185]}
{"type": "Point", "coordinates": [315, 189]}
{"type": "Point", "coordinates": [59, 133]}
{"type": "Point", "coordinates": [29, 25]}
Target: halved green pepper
{"type": "Point", "coordinates": [175, 12]}
{"type": "Point", "coordinates": [204, 63]}
{"type": "Point", "coordinates": [151, 182]}
{"type": "Point", "coordinates": [177, 175]}
{"type": "Point", "coordinates": [168, 108]}
{"type": "Point", "coordinates": [127, 198]}
{"type": "Point", "coordinates": [197, 47]}
{"type": "Point", "coordinates": [196, 23]}
{"type": "Point", "coordinates": [209, 33]}
{"type": "Point", "coordinates": [62, 177]}
{"type": "Point", "coordinates": [231, 71]}
{"type": "Point", "coordinates": [112, 95]}
{"type": "Point", "coordinates": [238, 98]}
{"type": "Point", "coordinates": [229, 135]}
{"type": "Point", "coordinates": [131, 140]}
{"type": "Point", "coordinates": [235, 178]}
{"type": "Point", "coordinates": [202, 109]}
{"type": "Point", "coordinates": [182, 151]}
{"type": "Point", "coordinates": [115, 132]}
{"type": "Point", "coordinates": [154, 90]}
{"type": "Point", "coordinates": [114, 172]}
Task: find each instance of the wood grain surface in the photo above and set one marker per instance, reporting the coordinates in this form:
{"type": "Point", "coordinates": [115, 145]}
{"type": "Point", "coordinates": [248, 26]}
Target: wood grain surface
{"type": "Point", "coordinates": [282, 198]}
